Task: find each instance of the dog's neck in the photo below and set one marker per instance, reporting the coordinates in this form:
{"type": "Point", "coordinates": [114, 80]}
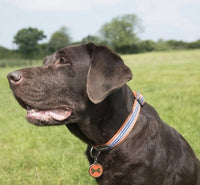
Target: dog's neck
{"type": "Point", "coordinates": [103, 119]}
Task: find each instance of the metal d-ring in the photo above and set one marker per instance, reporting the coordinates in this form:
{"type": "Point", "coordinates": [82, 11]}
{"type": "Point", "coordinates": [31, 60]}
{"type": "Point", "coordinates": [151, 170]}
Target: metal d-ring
{"type": "Point", "coordinates": [94, 156]}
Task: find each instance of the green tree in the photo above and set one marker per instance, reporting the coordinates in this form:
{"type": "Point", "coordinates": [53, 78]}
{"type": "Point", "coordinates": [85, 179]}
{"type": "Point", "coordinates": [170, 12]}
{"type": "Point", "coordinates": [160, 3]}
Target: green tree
{"type": "Point", "coordinates": [122, 31]}
{"type": "Point", "coordinates": [177, 44]}
{"type": "Point", "coordinates": [162, 45]}
{"type": "Point", "coordinates": [27, 41]}
{"type": "Point", "coordinates": [91, 38]}
{"type": "Point", "coordinates": [58, 40]}
{"type": "Point", "coordinates": [146, 46]}
{"type": "Point", "coordinates": [194, 45]}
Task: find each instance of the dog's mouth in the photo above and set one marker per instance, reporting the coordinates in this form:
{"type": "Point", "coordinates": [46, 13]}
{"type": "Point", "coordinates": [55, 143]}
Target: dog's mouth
{"type": "Point", "coordinates": [58, 114]}
{"type": "Point", "coordinates": [45, 116]}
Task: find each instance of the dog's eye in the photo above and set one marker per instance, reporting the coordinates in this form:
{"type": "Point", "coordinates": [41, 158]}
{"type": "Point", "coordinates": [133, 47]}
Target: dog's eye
{"type": "Point", "coordinates": [63, 61]}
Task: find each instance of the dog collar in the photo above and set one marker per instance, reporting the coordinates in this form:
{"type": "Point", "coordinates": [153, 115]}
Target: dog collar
{"type": "Point", "coordinates": [96, 169]}
{"type": "Point", "coordinates": [127, 126]}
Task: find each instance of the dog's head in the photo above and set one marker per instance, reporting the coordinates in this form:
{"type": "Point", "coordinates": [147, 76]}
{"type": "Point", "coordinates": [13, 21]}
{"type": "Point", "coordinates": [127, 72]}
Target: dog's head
{"type": "Point", "coordinates": [59, 91]}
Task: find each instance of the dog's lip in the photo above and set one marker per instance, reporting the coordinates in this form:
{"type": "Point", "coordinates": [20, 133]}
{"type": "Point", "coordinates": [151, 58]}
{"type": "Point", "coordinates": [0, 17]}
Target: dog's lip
{"type": "Point", "coordinates": [46, 115]}
{"type": "Point", "coordinates": [58, 113]}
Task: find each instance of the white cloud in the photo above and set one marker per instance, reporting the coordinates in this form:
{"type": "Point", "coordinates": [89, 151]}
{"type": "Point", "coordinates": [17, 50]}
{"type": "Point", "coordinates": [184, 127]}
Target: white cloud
{"type": "Point", "coordinates": [61, 5]}
{"type": "Point", "coordinates": [161, 12]}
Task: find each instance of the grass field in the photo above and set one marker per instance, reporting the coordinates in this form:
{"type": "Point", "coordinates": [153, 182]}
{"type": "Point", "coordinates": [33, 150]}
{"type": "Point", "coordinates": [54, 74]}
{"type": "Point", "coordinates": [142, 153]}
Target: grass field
{"type": "Point", "coordinates": [31, 155]}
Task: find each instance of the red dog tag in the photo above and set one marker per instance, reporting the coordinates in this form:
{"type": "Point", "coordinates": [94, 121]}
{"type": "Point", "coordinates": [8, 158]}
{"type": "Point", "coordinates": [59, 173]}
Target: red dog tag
{"type": "Point", "coordinates": [95, 170]}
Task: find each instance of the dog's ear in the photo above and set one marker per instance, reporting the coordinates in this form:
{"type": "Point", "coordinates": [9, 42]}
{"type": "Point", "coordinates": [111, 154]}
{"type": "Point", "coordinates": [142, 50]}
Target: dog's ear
{"type": "Point", "coordinates": [106, 74]}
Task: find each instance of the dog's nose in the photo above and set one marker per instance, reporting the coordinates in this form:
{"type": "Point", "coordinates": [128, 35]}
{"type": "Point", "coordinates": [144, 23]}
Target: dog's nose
{"type": "Point", "coordinates": [14, 77]}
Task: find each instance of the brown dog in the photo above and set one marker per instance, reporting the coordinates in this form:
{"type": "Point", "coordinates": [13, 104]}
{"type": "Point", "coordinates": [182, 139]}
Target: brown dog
{"type": "Point", "coordinates": [84, 87]}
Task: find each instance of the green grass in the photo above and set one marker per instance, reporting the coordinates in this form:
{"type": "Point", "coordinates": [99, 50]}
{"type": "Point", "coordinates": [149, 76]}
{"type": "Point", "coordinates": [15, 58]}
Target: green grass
{"type": "Point", "coordinates": [170, 81]}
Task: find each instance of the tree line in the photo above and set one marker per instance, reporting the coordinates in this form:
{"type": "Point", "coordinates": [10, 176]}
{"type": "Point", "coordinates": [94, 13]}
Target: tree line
{"type": "Point", "coordinates": [121, 34]}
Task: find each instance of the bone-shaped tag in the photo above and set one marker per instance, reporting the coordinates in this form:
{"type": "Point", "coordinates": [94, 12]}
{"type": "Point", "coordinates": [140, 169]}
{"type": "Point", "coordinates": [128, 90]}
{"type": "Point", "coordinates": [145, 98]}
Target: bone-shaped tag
{"type": "Point", "coordinates": [95, 170]}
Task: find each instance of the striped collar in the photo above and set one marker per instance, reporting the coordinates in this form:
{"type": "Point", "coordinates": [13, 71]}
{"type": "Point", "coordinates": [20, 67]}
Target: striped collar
{"type": "Point", "coordinates": [127, 126]}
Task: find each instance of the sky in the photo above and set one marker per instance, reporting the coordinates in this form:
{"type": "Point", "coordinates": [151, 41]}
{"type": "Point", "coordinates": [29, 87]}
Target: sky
{"type": "Point", "coordinates": [160, 19]}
